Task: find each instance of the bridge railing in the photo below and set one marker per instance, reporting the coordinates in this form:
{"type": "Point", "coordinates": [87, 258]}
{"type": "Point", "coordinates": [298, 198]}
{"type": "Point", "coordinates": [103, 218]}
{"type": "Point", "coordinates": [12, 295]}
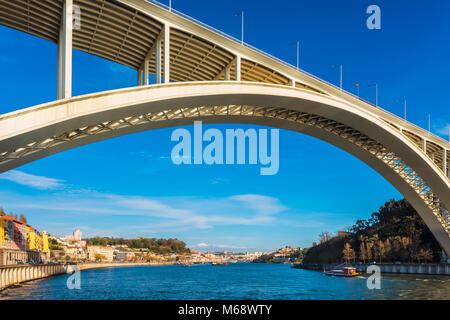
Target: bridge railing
{"type": "Point", "coordinates": [249, 46]}
{"type": "Point", "coordinates": [268, 55]}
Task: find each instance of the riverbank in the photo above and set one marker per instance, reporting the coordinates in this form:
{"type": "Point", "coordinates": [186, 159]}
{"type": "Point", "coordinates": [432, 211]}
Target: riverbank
{"type": "Point", "coordinates": [240, 281]}
{"type": "Point", "coordinates": [17, 274]}
{"type": "Point", "coordinates": [405, 268]}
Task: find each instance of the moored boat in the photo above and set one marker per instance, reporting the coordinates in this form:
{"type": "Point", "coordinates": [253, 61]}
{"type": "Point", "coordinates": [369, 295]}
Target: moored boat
{"type": "Point", "coordinates": [344, 272]}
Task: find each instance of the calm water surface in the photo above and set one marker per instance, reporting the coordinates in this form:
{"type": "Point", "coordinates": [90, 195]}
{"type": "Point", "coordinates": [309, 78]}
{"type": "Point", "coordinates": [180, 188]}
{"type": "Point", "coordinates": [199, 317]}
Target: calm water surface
{"type": "Point", "coordinates": [236, 281]}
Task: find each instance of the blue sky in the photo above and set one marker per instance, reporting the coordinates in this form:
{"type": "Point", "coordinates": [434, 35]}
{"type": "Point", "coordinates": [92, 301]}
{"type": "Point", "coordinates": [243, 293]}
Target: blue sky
{"type": "Point", "coordinates": [128, 186]}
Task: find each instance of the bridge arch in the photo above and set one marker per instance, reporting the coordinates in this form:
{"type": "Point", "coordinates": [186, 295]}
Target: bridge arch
{"type": "Point", "coordinates": [37, 132]}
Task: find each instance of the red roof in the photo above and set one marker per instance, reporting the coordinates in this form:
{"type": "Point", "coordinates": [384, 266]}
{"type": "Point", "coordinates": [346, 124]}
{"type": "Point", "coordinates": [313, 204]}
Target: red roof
{"type": "Point", "coordinates": [17, 221]}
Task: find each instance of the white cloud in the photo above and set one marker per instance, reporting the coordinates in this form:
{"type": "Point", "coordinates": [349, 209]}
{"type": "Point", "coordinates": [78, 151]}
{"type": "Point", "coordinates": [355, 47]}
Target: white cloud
{"type": "Point", "coordinates": [30, 180]}
{"type": "Point", "coordinates": [259, 203]}
{"type": "Point", "coordinates": [202, 245]}
{"type": "Point", "coordinates": [164, 214]}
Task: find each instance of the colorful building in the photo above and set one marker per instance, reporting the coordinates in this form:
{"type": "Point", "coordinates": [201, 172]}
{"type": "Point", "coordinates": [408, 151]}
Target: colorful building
{"type": "Point", "coordinates": [20, 242]}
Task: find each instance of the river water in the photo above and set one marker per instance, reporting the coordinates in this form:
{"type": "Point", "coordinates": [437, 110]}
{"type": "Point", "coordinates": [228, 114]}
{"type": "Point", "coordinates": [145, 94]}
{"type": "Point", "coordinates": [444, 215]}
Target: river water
{"type": "Point", "coordinates": [235, 281]}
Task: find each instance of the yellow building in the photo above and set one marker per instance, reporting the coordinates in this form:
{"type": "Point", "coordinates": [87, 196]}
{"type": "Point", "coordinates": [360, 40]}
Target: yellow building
{"type": "Point", "coordinates": [3, 230]}
{"type": "Point", "coordinates": [31, 239]}
{"type": "Point", "coordinates": [45, 242]}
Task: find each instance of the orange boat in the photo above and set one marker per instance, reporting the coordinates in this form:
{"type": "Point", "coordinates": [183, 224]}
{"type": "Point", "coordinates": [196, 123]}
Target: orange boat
{"type": "Point", "coordinates": [344, 272]}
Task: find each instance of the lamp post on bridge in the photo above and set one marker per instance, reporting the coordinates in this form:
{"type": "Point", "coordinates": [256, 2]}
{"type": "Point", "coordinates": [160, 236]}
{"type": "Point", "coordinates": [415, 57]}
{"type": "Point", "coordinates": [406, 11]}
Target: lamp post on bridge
{"type": "Point", "coordinates": [376, 92]}
{"type": "Point", "coordinates": [298, 53]}
{"type": "Point", "coordinates": [242, 26]}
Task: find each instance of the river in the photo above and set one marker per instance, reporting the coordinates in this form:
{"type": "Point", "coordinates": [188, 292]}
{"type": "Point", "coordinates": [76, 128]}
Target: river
{"type": "Point", "coordinates": [235, 281]}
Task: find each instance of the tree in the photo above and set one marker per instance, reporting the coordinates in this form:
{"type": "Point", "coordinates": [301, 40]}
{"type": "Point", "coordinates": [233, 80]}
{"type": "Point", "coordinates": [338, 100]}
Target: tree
{"type": "Point", "coordinates": [23, 218]}
{"type": "Point", "coordinates": [362, 252]}
{"type": "Point", "coordinates": [424, 254]}
{"type": "Point", "coordinates": [12, 215]}
{"type": "Point", "coordinates": [387, 250]}
{"type": "Point", "coordinates": [348, 253]}
{"type": "Point", "coordinates": [99, 257]}
{"type": "Point", "coordinates": [324, 237]}
{"type": "Point", "coordinates": [369, 251]}
{"type": "Point", "coordinates": [379, 249]}
{"type": "Point", "coordinates": [2, 212]}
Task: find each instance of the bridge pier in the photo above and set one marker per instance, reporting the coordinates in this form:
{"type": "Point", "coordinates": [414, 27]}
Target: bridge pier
{"type": "Point", "coordinates": [166, 40]}
{"type": "Point", "coordinates": [158, 60]}
{"type": "Point", "coordinates": [64, 85]}
{"type": "Point", "coordinates": [146, 71]}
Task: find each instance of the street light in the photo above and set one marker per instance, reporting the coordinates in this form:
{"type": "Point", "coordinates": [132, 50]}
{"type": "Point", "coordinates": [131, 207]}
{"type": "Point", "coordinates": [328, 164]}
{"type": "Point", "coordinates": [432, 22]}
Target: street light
{"type": "Point", "coordinates": [298, 52]}
{"type": "Point", "coordinates": [340, 67]}
{"type": "Point", "coordinates": [170, 5]}
{"type": "Point", "coordinates": [242, 26]}
{"type": "Point", "coordinates": [376, 92]}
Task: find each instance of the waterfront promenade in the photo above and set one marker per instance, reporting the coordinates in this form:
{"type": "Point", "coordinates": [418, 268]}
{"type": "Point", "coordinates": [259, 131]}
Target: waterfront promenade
{"type": "Point", "coordinates": [13, 275]}
{"type": "Point", "coordinates": [404, 268]}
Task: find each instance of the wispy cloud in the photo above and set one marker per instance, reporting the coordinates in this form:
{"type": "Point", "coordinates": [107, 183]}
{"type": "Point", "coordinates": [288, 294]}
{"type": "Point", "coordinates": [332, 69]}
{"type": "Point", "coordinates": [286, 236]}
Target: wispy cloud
{"type": "Point", "coordinates": [163, 214]}
{"type": "Point", "coordinates": [30, 180]}
{"type": "Point", "coordinates": [262, 204]}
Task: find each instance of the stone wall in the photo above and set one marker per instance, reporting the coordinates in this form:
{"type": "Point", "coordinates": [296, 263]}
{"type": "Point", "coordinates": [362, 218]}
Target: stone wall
{"type": "Point", "coordinates": [10, 275]}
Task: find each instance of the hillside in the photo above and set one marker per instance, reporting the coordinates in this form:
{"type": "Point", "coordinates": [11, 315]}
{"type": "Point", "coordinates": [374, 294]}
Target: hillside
{"type": "Point", "coordinates": [394, 233]}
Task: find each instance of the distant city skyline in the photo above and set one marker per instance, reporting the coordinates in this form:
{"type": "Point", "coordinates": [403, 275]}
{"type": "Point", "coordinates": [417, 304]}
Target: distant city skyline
{"type": "Point", "coordinates": [129, 187]}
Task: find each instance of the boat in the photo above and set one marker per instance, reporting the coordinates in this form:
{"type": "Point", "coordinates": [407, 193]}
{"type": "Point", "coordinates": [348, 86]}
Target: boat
{"type": "Point", "coordinates": [187, 265]}
{"type": "Point", "coordinates": [344, 272]}
{"type": "Point", "coordinates": [219, 264]}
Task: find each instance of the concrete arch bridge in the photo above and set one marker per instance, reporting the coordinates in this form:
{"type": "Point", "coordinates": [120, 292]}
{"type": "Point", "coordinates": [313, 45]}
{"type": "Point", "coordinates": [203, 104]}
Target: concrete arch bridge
{"type": "Point", "coordinates": [204, 74]}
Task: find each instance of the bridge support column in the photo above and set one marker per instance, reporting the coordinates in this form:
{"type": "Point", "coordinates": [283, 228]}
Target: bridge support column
{"type": "Point", "coordinates": [166, 39]}
{"type": "Point", "coordinates": [64, 87]}
{"type": "Point", "coordinates": [139, 74]}
{"type": "Point", "coordinates": [146, 67]}
{"type": "Point", "coordinates": [238, 68]}
{"type": "Point", "coordinates": [158, 60]}
{"type": "Point", "coordinates": [227, 73]}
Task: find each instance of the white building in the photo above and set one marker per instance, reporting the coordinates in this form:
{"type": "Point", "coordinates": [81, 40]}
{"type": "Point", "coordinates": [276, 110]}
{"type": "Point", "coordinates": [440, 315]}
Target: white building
{"type": "Point", "coordinates": [77, 235]}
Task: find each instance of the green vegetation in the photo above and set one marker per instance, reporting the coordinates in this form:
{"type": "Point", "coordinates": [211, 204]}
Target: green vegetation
{"type": "Point", "coordinates": [53, 244]}
{"type": "Point", "coordinates": [296, 257]}
{"type": "Point", "coordinates": [395, 233]}
{"type": "Point", "coordinates": [159, 246]}
{"type": "Point", "coordinates": [99, 257]}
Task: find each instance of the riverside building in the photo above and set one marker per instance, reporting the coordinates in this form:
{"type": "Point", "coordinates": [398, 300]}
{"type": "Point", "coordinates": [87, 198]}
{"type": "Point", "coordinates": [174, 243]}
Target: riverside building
{"type": "Point", "coordinates": [21, 243]}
